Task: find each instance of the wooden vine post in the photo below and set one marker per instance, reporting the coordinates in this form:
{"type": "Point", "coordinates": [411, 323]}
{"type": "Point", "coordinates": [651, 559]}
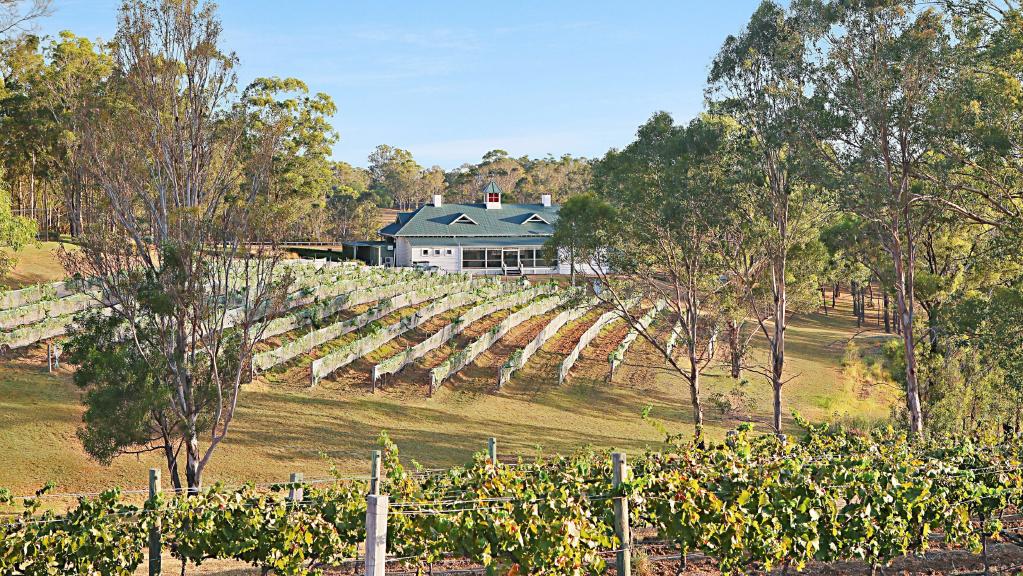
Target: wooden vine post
{"type": "Point", "coordinates": [623, 560]}
{"type": "Point", "coordinates": [492, 450]}
{"type": "Point", "coordinates": [52, 355]}
{"type": "Point", "coordinates": [374, 473]}
{"type": "Point", "coordinates": [376, 522]}
{"type": "Point", "coordinates": [155, 559]}
{"type": "Point", "coordinates": [295, 493]}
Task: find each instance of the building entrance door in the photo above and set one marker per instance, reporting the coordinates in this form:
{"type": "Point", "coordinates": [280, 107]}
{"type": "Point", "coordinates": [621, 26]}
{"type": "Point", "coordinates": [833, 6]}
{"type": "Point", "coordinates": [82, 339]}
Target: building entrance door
{"type": "Point", "coordinates": [511, 257]}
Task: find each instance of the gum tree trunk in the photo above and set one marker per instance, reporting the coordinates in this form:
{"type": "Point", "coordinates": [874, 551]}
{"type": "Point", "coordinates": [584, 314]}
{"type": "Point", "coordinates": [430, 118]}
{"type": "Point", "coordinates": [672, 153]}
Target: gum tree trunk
{"type": "Point", "coordinates": [903, 259]}
{"type": "Point", "coordinates": [734, 349]}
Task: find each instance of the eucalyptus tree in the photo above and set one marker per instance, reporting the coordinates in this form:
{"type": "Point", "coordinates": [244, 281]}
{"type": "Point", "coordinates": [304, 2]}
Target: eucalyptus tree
{"type": "Point", "coordinates": [26, 130]}
{"type": "Point", "coordinates": [430, 182]}
{"type": "Point", "coordinates": [351, 206]}
{"type": "Point", "coordinates": [881, 69]}
{"type": "Point", "coordinates": [52, 88]}
{"type": "Point", "coordinates": [761, 78]}
{"type": "Point", "coordinates": [499, 167]}
{"type": "Point", "coordinates": [971, 264]}
{"type": "Point", "coordinates": [71, 88]}
{"type": "Point", "coordinates": [977, 167]}
{"type": "Point", "coordinates": [21, 133]}
{"type": "Point", "coordinates": [560, 177]}
{"type": "Point", "coordinates": [657, 222]}
{"type": "Point", "coordinates": [283, 111]}
{"type": "Point", "coordinates": [586, 227]}
{"type": "Point", "coordinates": [174, 257]}
{"type": "Point", "coordinates": [986, 326]}
{"type": "Point", "coordinates": [394, 175]}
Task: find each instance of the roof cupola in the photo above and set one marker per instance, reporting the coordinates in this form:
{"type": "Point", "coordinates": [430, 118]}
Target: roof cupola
{"type": "Point", "coordinates": [492, 196]}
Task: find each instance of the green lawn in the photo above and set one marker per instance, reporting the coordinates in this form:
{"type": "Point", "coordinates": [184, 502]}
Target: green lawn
{"type": "Point", "coordinates": [37, 263]}
{"type": "Point", "coordinates": [280, 429]}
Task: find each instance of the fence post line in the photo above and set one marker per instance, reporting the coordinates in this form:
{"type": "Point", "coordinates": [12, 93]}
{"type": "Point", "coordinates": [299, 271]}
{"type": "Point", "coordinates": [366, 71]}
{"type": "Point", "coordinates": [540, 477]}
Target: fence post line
{"type": "Point", "coordinates": [155, 560]}
{"type": "Point", "coordinates": [376, 534]}
{"type": "Point", "coordinates": [492, 450]}
{"type": "Point", "coordinates": [374, 474]}
{"type": "Point", "coordinates": [623, 561]}
{"type": "Point", "coordinates": [295, 492]}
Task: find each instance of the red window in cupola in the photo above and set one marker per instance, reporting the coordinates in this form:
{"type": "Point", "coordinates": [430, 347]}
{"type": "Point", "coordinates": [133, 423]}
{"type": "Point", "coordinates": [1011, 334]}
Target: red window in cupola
{"type": "Point", "coordinates": [493, 197]}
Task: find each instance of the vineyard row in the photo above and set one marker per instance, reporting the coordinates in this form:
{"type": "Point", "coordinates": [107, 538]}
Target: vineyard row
{"type": "Point", "coordinates": [751, 503]}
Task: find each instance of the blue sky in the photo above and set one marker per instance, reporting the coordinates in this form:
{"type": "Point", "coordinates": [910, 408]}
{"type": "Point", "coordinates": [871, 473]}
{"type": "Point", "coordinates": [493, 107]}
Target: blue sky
{"type": "Point", "coordinates": [451, 80]}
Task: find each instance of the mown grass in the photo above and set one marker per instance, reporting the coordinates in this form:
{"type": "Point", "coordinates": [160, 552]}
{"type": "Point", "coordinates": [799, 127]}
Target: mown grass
{"type": "Point", "coordinates": [283, 429]}
{"type": "Point", "coordinates": [36, 263]}
{"type": "Point", "coordinates": [280, 429]}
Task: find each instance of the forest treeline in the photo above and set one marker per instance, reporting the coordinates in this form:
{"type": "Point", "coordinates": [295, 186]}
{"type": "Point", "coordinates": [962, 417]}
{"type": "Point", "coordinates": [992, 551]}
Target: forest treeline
{"type": "Point", "coordinates": [52, 85]}
{"type": "Point", "coordinates": [869, 146]}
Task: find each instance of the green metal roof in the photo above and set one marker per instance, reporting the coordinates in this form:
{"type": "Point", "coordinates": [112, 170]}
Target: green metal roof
{"type": "Point", "coordinates": [509, 220]}
{"type": "Point", "coordinates": [481, 242]}
{"type": "Point", "coordinates": [492, 187]}
{"type": "Point", "coordinates": [391, 228]}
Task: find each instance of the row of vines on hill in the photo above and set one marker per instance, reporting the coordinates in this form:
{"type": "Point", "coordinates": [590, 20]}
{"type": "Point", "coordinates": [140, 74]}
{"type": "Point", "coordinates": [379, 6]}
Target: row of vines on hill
{"type": "Point", "coordinates": [413, 293]}
{"type": "Point", "coordinates": [520, 357]}
{"type": "Point", "coordinates": [380, 334]}
{"type": "Point", "coordinates": [465, 356]}
{"type": "Point", "coordinates": [517, 295]}
{"type": "Point", "coordinates": [751, 503]}
{"type": "Point", "coordinates": [617, 355]}
{"type": "Point", "coordinates": [605, 320]}
{"type": "Point", "coordinates": [319, 289]}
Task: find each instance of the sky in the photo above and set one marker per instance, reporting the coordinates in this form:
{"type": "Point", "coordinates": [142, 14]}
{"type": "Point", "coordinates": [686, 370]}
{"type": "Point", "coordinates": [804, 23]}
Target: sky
{"type": "Point", "coordinates": [451, 80]}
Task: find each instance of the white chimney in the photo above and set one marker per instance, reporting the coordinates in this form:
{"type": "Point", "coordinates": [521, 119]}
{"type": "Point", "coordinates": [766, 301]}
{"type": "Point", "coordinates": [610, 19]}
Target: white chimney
{"type": "Point", "coordinates": [438, 200]}
{"type": "Point", "coordinates": [546, 200]}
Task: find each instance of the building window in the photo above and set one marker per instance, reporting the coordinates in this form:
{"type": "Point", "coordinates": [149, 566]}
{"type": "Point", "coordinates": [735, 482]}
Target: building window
{"type": "Point", "coordinates": [527, 257]}
{"type": "Point", "coordinates": [436, 251]}
{"type": "Point", "coordinates": [426, 252]}
{"type": "Point", "coordinates": [493, 258]}
{"type": "Point", "coordinates": [449, 251]}
{"type": "Point", "coordinates": [493, 197]}
{"type": "Point", "coordinates": [474, 258]}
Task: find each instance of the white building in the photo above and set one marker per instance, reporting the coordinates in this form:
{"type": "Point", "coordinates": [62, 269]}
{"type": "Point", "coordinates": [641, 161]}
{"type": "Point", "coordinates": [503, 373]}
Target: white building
{"type": "Point", "coordinates": [486, 238]}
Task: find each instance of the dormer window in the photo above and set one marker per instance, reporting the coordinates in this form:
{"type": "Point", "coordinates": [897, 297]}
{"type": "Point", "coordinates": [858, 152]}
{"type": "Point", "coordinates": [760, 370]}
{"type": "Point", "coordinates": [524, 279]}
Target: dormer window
{"type": "Point", "coordinates": [463, 219]}
{"type": "Point", "coordinates": [493, 197]}
{"type": "Point", "coordinates": [536, 219]}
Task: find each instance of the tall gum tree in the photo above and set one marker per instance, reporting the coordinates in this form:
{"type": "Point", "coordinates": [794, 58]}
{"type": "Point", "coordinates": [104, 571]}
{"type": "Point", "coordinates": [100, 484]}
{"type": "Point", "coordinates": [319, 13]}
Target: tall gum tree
{"type": "Point", "coordinates": [881, 66]}
{"type": "Point", "coordinates": [654, 231]}
{"type": "Point", "coordinates": [71, 89]}
{"type": "Point", "coordinates": [760, 78]}
{"type": "Point", "coordinates": [174, 257]}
